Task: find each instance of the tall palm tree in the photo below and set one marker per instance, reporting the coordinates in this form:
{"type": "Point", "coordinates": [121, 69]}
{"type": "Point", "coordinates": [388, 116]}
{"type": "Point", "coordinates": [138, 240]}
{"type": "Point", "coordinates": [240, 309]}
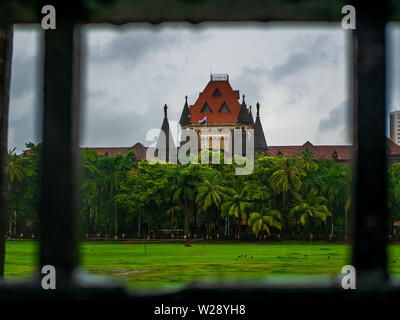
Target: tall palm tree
{"type": "Point", "coordinates": [15, 169]}
{"type": "Point", "coordinates": [263, 221]}
{"type": "Point", "coordinates": [286, 178]}
{"type": "Point", "coordinates": [173, 212]}
{"type": "Point", "coordinates": [313, 206]}
{"type": "Point", "coordinates": [114, 170]}
{"type": "Point", "coordinates": [15, 173]}
{"type": "Point", "coordinates": [210, 194]}
{"type": "Point", "coordinates": [237, 204]}
{"type": "Point", "coordinates": [184, 195]}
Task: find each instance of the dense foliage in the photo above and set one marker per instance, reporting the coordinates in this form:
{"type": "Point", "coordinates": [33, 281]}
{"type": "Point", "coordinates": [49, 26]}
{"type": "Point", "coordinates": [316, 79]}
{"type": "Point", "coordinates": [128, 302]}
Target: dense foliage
{"type": "Point", "coordinates": [284, 197]}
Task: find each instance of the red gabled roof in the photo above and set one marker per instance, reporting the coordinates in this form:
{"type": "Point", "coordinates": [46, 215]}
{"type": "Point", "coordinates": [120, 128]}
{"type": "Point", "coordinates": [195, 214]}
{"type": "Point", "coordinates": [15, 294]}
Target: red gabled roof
{"type": "Point", "coordinates": [394, 149]}
{"type": "Point", "coordinates": [228, 95]}
{"type": "Point", "coordinates": [110, 151]}
{"type": "Point", "coordinates": [344, 152]}
{"type": "Point", "coordinates": [138, 149]}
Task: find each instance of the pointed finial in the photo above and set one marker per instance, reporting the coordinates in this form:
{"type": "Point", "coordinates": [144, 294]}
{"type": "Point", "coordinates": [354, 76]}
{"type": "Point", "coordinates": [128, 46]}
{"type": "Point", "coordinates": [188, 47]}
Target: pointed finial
{"type": "Point", "coordinates": [250, 108]}
{"type": "Point", "coordinates": [186, 99]}
{"type": "Point", "coordinates": [165, 111]}
{"type": "Point", "coordinates": [258, 109]}
{"type": "Point", "coordinates": [243, 99]}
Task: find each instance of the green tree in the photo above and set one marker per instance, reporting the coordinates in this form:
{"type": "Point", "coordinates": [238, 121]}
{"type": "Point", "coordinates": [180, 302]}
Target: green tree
{"type": "Point", "coordinates": [262, 221]}
{"type": "Point", "coordinates": [286, 178]}
{"type": "Point", "coordinates": [113, 172]}
{"type": "Point", "coordinates": [210, 195]}
{"type": "Point", "coordinates": [312, 207]}
{"type": "Point", "coordinates": [184, 192]}
{"type": "Point", "coordinates": [237, 203]}
{"type": "Point", "coordinates": [15, 169]}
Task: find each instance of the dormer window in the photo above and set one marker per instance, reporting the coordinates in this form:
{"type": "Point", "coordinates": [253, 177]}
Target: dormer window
{"type": "Point", "coordinates": [206, 109]}
{"type": "Point", "coordinates": [217, 93]}
{"type": "Point", "coordinates": [224, 108]}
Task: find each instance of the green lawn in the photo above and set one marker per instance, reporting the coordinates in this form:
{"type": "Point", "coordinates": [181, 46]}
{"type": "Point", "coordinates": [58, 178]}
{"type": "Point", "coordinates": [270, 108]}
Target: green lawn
{"type": "Point", "coordinates": [169, 264]}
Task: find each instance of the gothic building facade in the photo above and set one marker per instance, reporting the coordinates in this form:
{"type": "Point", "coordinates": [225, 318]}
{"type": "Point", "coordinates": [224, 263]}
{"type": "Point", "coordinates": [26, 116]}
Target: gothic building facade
{"type": "Point", "coordinates": [214, 116]}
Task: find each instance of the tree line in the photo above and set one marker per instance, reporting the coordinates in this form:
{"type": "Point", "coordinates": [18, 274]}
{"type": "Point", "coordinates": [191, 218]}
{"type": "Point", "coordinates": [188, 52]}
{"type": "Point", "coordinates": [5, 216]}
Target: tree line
{"type": "Point", "coordinates": [284, 198]}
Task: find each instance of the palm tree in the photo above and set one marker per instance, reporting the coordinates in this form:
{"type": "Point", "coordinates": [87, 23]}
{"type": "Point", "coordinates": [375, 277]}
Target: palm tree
{"type": "Point", "coordinates": [114, 171]}
{"type": "Point", "coordinates": [307, 160]}
{"type": "Point", "coordinates": [173, 212]}
{"type": "Point", "coordinates": [264, 220]}
{"type": "Point", "coordinates": [184, 194]}
{"type": "Point", "coordinates": [210, 194]}
{"type": "Point", "coordinates": [310, 208]}
{"type": "Point", "coordinates": [15, 173]}
{"type": "Point", "coordinates": [286, 178]}
{"type": "Point", "coordinates": [15, 170]}
{"type": "Point", "coordinates": [237, 203]}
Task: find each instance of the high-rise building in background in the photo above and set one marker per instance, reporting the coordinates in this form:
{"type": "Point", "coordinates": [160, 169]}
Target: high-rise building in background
{"type": "Point", "coordinates": [395, 126]}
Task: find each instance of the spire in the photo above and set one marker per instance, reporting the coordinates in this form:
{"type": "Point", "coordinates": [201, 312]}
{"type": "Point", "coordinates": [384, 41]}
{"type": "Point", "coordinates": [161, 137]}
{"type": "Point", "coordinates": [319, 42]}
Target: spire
{"type": "Point", "coordinates": [251, 118]}
{"type": "Point", "coordinates": [167, 147]}
{"type": "Point", "coordinates": [185, 116]}
{"type": "Point", "coordinates": [165, 111]}
{"type": "Point", "coordinates": [260, 144]}
{"type": "Point", "coordinates": [243, 114]}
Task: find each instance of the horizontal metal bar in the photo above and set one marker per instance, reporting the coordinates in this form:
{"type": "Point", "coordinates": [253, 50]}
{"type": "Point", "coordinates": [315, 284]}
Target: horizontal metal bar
{"type": "Point", "coordinates": [158, 11]}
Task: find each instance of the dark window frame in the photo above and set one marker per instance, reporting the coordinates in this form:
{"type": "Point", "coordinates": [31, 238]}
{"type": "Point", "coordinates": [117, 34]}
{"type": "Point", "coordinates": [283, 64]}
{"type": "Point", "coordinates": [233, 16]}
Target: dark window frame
{"type": "Point", "coordinates": [59, 237]}
{"type": "Point", "coordinates": [207, 108]}
{"type": "Point", "coordinates": [226, 108]}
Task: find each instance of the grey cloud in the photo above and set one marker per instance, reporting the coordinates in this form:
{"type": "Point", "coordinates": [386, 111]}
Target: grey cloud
{"type": "Point", "coordinates": [119, 128]}
{"type": "Point", "coordinates": [306, 52]}
{"type": "Point", "coordinates": [335, 120]}
{"type": "Point", "coordinates": [131, 45]}
{"type": "Point", "coordinates": [320, 51]}
{"type": "Point", "coordinates": [24, 74]}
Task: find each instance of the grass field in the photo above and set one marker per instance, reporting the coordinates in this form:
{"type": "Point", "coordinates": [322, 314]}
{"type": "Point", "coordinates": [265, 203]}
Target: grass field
{"type": "Point", "coordinates": [169, 264]}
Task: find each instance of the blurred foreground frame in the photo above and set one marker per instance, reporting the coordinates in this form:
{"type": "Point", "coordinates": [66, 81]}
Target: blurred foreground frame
{"type": "Point", "coordinates": [59, 241]}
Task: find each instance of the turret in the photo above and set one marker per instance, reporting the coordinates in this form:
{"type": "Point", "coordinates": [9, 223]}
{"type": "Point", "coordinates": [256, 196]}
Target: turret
{"type": "Point", "coordinates": [260, 144]}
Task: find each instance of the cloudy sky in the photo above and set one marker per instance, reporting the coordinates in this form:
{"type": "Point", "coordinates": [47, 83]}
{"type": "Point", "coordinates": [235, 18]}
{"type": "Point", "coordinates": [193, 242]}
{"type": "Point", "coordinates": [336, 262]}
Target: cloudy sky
{"type": "Point", "coordinates": [297, 73]}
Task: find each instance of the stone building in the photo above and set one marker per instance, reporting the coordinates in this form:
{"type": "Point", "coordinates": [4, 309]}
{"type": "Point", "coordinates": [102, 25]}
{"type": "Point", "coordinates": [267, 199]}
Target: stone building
{"type": "Point", "coordinates": [217, 112]}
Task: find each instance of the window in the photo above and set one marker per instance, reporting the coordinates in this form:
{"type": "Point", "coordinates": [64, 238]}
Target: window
{"type": "Point", "coordinates": [217, 93]}
{"type": "Point", "coordinates": [224, 108]}
{"type": "Point", "coordinates": [206, 109]}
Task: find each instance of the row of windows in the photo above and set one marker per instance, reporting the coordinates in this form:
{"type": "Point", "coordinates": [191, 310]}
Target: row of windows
{"type": "Point", "coordinates": [224, 109]}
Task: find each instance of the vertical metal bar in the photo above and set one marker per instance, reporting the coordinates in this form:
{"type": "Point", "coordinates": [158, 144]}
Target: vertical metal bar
{"type": "Point", "coordinates": [370, 175]}
{"type": "Point", "coordinates": [59, 205]}
{"type": "Point", "coordinates": [6, 42]}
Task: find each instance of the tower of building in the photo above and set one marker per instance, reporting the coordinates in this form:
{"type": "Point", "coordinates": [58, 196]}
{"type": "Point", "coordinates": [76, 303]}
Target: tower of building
{"type": "Point", "coordinates": [260, 144]}
{"type": "Point", "coordinates": [165, 146]}
{"type": "Point", "coordinates": [218, 108]}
